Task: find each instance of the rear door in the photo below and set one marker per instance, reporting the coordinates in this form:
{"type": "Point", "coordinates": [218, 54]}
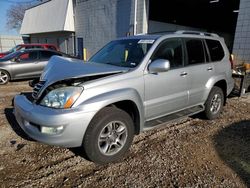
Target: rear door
{"type": "Point", "coordinates": [217, 57]}
{"type": "Point", "coordinates": [200, 69]}
{"type": "Point", "coordinates": [25, 65]}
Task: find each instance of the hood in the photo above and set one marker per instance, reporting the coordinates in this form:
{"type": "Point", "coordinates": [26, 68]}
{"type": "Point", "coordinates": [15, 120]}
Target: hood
{"type": "Point", "coordinates": [61, 68]}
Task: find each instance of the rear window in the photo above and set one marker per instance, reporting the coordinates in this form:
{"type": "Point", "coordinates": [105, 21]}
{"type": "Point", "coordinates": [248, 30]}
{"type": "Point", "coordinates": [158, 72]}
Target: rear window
{"type": "Point", "coordinates": [195, 51]}
{"type": "Point", "coordinates": [215, 49]}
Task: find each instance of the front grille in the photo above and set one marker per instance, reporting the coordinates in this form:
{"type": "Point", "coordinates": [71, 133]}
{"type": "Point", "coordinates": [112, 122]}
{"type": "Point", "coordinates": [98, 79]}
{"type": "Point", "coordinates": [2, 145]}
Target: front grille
{"type": "Point", "coordinates": [37, 89]}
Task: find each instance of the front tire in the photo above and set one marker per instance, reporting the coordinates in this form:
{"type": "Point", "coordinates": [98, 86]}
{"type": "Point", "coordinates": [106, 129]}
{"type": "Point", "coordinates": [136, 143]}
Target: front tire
{"type": "Point", "coordinates": [109, 136]}
{"type": "Point", "coordinates": [4, 77]}
{"type": "Point", "coordinates": [214, 103]}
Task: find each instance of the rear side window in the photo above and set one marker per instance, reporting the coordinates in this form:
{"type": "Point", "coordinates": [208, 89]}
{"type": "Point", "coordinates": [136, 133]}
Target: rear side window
{"type": "Point", "coordinates": [47, 54]}
{"type": "Point", "coordinates": [215, 49]}
{"type": "Point", "coordinates": [195, 51]}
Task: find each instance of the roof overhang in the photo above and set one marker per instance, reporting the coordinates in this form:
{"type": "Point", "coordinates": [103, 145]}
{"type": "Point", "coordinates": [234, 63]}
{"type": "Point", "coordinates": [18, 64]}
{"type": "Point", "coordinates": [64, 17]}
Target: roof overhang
{"type": "Point", "coordinates": [52, 16]}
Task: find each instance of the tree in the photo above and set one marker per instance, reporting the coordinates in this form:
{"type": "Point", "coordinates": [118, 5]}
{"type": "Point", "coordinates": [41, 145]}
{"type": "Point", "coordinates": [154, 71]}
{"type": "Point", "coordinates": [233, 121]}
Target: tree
{"type": "Point", "coordinates": [16, 12]}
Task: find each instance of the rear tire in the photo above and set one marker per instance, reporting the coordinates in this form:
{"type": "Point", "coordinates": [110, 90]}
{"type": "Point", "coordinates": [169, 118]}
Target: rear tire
{"type": "Point", "coordinates": [108, 136]}
{"type": "Point", "coordinates": [4, 77]}
{"type": "Point", "coordinates": [214, 103]}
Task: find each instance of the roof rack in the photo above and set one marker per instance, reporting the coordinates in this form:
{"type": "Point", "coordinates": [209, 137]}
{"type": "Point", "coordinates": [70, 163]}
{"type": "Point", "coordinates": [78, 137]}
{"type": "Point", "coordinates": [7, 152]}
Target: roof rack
{"type": "Point", "coordinates": [197, 33]}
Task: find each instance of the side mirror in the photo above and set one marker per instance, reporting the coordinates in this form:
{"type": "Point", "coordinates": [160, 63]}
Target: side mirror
{"type": "Point", "coordinates": [159, 65]}
{"type": "Point", "coordinates": [16, 59]}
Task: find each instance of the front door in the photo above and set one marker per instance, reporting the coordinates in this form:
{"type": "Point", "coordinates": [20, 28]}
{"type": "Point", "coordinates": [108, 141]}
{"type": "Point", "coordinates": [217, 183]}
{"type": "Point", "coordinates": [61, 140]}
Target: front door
{"type": "Point", "coordinates": [167, 92]}
{"type": "Point", "coordinates": [26, 65]}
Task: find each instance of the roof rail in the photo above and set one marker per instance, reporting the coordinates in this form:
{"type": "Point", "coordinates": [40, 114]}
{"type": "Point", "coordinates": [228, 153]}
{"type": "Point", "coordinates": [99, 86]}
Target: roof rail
{"type": "Point", "coordinates": [197, 33]}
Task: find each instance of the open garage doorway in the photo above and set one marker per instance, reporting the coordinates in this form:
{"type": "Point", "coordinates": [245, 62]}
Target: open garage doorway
{"type": "Point", "coordinates": [217, 16]}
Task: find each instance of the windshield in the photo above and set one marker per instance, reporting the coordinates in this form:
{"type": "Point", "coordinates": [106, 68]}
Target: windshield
{"type": "Point", "coordinates": [123, 53]}
{"type": "Point", "coordinates": [10, 56]}
{"type": "Point", "coordinates": [16, 48]}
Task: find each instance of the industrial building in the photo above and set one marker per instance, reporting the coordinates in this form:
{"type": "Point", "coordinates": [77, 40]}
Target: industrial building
{"type": "Point", "coordinates": [75, 25]}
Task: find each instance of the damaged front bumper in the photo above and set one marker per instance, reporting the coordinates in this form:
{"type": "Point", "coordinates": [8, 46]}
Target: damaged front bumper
{"type": "Point", "coordinates": [61, 127]}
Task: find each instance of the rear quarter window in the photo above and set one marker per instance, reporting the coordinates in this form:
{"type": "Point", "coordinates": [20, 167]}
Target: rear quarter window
{"type": "Point", "coordinates": [215, 49]}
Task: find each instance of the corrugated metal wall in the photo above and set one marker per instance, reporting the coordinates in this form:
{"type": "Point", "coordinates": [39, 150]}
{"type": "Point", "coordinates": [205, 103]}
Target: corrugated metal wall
{"type": "Point", "coordinates": [241, 48]}
{"type": "Point", "coordinates": [99, 21]}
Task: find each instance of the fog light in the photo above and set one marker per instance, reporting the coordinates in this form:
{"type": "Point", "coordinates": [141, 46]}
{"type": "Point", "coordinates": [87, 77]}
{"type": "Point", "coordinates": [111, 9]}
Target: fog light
{"type": "Point", "coordinates": [51, 130]}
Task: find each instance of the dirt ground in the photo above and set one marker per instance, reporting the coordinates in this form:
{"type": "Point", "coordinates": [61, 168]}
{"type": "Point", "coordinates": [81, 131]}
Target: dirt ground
{"type": "Point", "coordinates": [190, 153]}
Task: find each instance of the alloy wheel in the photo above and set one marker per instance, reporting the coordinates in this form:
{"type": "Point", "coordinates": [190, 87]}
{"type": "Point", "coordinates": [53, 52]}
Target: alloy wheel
{"type": "Point", "coordinates": [4, 77]}
{"type": "Point", "coordinates": [112, 138]}
{"type": "Point", "coordinates": [216, 103]}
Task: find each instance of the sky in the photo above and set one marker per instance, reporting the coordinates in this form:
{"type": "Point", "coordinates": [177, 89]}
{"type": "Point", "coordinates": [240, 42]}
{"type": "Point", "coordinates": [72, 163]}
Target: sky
{"type": "Point", "coordinates": [4, 5]}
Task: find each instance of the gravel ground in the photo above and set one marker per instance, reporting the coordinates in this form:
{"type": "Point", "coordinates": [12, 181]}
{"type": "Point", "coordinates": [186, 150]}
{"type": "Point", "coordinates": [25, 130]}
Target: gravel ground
{"type": "Point", "coordinates": [190, 153]}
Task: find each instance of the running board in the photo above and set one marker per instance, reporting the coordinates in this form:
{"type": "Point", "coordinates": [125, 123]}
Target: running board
{"type": "Point", "coordinates": [173, 117]}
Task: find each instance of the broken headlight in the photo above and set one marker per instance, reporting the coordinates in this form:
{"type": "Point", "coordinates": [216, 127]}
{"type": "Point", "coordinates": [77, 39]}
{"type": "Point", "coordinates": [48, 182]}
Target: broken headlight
{"type": "Point", "coordinates": [63, 97]}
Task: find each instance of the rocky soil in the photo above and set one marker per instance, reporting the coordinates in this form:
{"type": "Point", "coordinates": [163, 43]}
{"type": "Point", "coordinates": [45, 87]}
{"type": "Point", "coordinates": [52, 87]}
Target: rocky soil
{"type": "Point", "coordinates": [190, 153]}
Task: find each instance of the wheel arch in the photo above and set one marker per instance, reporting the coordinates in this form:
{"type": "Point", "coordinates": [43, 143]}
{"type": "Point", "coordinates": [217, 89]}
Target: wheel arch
{"type": "Point", "coordinates": [223, 85]}
{"type": "Point", "coordinates": [220, 82]}
{"type": "Point", "coordinates": [127, 100]}
{"type": "Point", "coordinates": [130, 107]}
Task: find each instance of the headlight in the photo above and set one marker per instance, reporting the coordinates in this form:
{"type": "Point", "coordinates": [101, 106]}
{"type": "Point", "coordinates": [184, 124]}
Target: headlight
{"type": "Point", "coordinates": [63, 97]}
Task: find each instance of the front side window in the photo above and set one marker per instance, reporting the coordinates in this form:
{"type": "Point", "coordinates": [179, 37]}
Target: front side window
{"type": "Point", "coordinates": [123, 53]}
{"type": "Point", "coordinates": [28, 56]}
{"type": "Point", "coordinates": [215, 49]}
{"type": "Point", "coordinates": [171, 50]}
{"type": "Point", "coordinates": [195, 51]}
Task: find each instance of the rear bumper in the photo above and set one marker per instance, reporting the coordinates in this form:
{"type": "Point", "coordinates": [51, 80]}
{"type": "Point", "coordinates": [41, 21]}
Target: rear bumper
{"type": "Point", "coordinates": [31, 117]}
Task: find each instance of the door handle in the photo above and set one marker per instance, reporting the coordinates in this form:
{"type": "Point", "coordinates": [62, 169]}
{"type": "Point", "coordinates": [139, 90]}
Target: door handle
{"type": "Point", "coordinates": [209, 68]}
{"type": "Point", "coordinates": [183, 74]}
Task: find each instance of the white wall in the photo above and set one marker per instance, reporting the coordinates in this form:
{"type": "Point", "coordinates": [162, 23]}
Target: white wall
{"type": "Point", "coordinates": [99, 21]}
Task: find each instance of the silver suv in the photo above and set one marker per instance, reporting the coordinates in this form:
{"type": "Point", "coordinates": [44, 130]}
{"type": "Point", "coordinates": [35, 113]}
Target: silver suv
{"type": "Point", "coordinates": [125, 89]}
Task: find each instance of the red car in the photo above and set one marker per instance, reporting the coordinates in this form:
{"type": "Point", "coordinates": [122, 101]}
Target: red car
{"type": "Point", "coordinates": [29, 46]}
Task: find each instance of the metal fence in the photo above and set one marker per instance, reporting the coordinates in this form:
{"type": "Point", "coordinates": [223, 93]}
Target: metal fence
{"type": "Point", "coordinates": [8, 42]}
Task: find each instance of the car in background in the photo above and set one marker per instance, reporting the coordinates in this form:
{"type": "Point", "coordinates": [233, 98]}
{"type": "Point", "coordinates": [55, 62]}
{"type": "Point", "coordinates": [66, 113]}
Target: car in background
{"type": "Point", "coordinates": [29, 46]}
{"type": "Point", "coordinates": [25, 64]}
